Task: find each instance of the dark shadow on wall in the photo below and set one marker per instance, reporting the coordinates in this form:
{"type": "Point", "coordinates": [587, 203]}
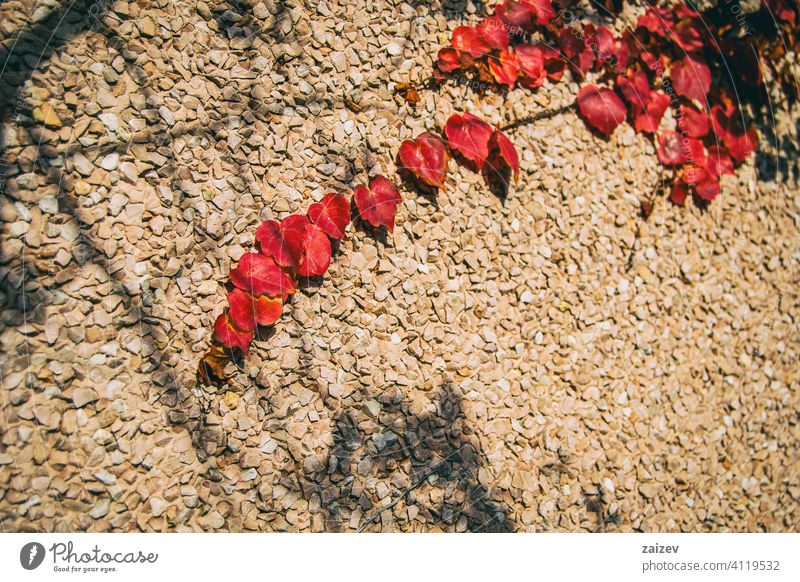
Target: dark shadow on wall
{"type": "Point", "coordinates": [428, 465]}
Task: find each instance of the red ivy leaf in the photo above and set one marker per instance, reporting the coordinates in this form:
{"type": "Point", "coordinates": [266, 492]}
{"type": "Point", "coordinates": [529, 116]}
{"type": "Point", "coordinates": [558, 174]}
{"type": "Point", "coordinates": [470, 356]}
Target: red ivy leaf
{"type": "Point", "coordinates": [718, 161]}
{"type": "Point", "coordinates": [687, 34]}
{"type": "Point", "coordinates": [728, 126]}
{"type": "Point", "coordinates": [494, 32]}
{"type": "Point", "coordinates": [247, 311]}
{"type": "Point", "coordinates": [574, 48]}
{"type": "Point", "coordinates": [231, 337]}
{"type": "Point", "coordinates": [708, 188]}
{"type": "Point", "coordinates": [316, 253]}
{"type": "Point", "coordinates": [679, 192]}
{"type": "Point", "coordinates": [531, 62]}
{"type": "Point", "coordinates": [635, 88]}
{"type": "Point", "coordinates": [670, 148]}
{"type": "Point", "coordinates": [448, 60]}
{"type": "Point", "coordinates": [601, 107]}
{"type": "Point", "coordinates": [426, 157]}
{"type": "Point", "coordinates": [503, 153]}
{"type": "Point", "coordinates": [695, 123]}
{"type": "Point", "coordinates": [261, 275]}
{"type": "Point", "coordinates": [378, 203]}
{"type": "Point", "coordinates": [467, 39]}
{"type": "Point", "coordinates": [691, 77]}
{"type": "Point", "coordinates": [331, 215]}
{"type": "Point", "coordinates": [515, 13]}
{"type": "Point", "coordinates": [280, 240]}
{"type": "Point", "coordinates": [469, 136]}
{"type": "Point", "coordinates": [543, 10]}
{"type": "Point", "coordinates": [505, 68]}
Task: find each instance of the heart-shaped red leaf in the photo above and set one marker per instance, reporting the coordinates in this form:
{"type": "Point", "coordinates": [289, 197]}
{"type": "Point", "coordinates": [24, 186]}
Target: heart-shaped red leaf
{"type": "Point", "coordinates": [601, 107]}
{"type": "Point", "coordinates": [261, 275]}
{"type": "Point", "coordinates": [670, 148]}
{"type": "Point", "coordinates": [679, 192]}
{"type": "Point", "coordinates": [469, 136]}
{"type": "Point", "coordinates": [231, 337]}
{"type": "Point", "coordinates": [718, 161]}
{"type": "Point", "coordinates": [543, 10]}
{"type": "Point", "coordinates": [378, 203]}
{"type": "Point", "coordinates": [635, 88]}
{"type": "Point", "coordinates": [247, 311]}
{"type": "Point", "coordinates": [503, 153]}
{"type": "Point", "coordinates": [504, 68]}
{"type": "Point", "coordinates": [531, 62]}
{"type": "Point", "coordinates": [316, 253]}
{"type": "Point", "coordinates": [467, 39]}
{"type": "Point", "coordinates": [577, 54]}
{"type": "Point", "coordinates": [691, 77]}
{"type": "Point", "coordinates": [280, 240]}
{"type": "Point", "coordinates": [648, 120]}
{"type": "Point", "coordinates": [695, 123]}
{"type": "Point", "coordinates": [727, 123]}
{"type": "Point", "coordinates": [515, 13]}
{"type": "Point", "coordinates": [448, 60]}
{"type": "Point", "coordinates": [426, 157]}
{"type": "Point", "coordinates": [494, 32]}
{"type": "Point", "coordinates": [331, 215]}
{"type": "Point", "coordinates": [708, 188]}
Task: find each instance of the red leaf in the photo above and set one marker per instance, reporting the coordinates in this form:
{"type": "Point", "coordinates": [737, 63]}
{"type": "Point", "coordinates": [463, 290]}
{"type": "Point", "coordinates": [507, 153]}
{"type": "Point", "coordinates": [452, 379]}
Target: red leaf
{"type": "Point", "coordinates": [468, 40]}
{"type": "Point", "coordinates": [515, 13]}
{"type": "Point", "coordinates": [691, 77]}
{"type": "Point", "coordinates": [601, 108]}
{"type": "Point", "coordinates": [727, 123]}
{"type": "Point", "coordinates": [316, 253]}
{"type": "Point", "coordinates": [635, 89]}
{"type": "Point", "coordinates": [247, 311]}
{"type": "Point", "coordinates": [261, 275]}
{"type": "Point", "coordinates": [470, 136]}
{"type": "Point", "coordinates": [670, 148]}
{"type": "Point", "coordinates": [708, 188]}
{"type": "Point", "coordinates": [494, 32]}
{"type": "Point", "coordinates": [687, 34]}
{"type": "Point", "coordinates": [280, 239]}
{"type": "Point", "coordinates": [692, 174]}
{"type": "Point", "coordinates": [695, 123]}
{"type": "Point", "coordinates": [331, 215]}
{"type": "Point", "coordinates": [378, 203]}
{"type": "Point", "coordinates": [426, 157]}
{"type": "Point", "coordinates": [503, 153]}
{"type": "Point", "coordinates": [554, 64]}
{"type": "Point", "coordinates": [448, 60]}
{"type": "Point", "coordinates": [577, 54]}
{"type": "Point", "coordinates": [231, 337]}
{"type": "Point", "coordinates": [649, 120]}
{"type": "Point", "coordinates": [679, 192]}
{"type": "Point", "coordinates": [505, 68]}
{"type": "Point", "coordinates": [601, 42]}
{"type": "Point", "coordinates": [543, 10]}
{"type": "Point", "coordinates": [718, 161]}
{"type": "Point", "coordinates": [531, 61]}
{"type": "Point", "coordinates": [657, 20]}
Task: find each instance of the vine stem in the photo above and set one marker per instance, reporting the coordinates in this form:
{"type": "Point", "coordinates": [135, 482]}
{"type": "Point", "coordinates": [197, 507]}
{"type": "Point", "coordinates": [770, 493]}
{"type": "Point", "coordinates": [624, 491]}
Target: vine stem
{"type": "Point", "coordinates": [537, 117]}
{"type": "Point", "coordinates": [651, 200]}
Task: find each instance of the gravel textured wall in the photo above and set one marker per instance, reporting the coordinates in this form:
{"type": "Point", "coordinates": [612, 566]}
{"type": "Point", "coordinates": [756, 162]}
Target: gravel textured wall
{"type": "Point", "coordinates": [496, 365]}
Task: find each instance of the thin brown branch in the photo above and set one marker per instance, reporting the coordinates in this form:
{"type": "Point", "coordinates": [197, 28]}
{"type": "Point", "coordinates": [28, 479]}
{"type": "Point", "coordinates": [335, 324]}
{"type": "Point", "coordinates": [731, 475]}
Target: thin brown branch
{"type": "Point", "coordinates": [537, 117]}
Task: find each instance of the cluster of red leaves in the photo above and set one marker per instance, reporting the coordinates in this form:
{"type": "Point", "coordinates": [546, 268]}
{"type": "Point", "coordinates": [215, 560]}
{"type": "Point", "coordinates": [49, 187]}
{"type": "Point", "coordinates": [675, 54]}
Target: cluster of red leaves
{"type": "Point", "coordinates": [297, 246]}
{"type": "Point", "coordinates": [486, 148]}
{"type": "Point", "coordinates": [638, 76]}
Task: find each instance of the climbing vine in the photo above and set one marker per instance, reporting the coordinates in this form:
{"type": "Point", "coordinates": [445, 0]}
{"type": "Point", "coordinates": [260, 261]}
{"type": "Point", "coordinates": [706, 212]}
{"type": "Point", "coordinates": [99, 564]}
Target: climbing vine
{"type": "Point", "coordinates": [673, 59]}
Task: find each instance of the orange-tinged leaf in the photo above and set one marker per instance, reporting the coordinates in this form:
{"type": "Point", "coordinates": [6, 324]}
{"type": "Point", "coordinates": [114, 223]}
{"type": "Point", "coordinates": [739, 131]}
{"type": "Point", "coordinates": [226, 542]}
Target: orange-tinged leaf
{"type": "Point", "coordinates": [426, 157]}
{"type": "Point", "coordinates": [261, 275]}
{"type": "Point", "coordinates": [246, 311]}
{"type": "Point", "coordinates": [469, 136]}
{"type": "Point", "coordinates": [228, 335]}
{"type": "Point", "coordinates": [331, 215]}
{"type": "Point", "coordinates": [378, 204]}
